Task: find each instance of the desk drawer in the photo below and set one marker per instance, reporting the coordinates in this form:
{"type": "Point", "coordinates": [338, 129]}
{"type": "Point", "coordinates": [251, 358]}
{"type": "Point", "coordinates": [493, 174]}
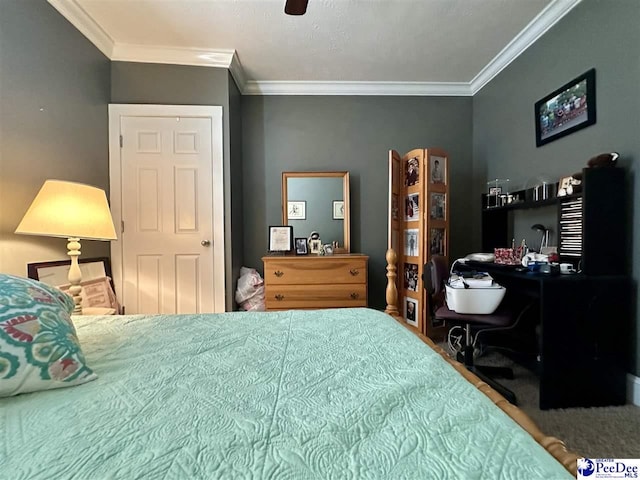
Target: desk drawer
{"type": "Point", "coordinates": [320, 271]}
{"type": "Point", "coordinates": [282, 297]}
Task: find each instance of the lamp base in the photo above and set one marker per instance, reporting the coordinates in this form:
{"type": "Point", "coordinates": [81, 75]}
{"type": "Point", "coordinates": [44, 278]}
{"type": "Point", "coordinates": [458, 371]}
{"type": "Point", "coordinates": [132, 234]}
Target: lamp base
{"type": "Point", "coordinates": [75, 275]}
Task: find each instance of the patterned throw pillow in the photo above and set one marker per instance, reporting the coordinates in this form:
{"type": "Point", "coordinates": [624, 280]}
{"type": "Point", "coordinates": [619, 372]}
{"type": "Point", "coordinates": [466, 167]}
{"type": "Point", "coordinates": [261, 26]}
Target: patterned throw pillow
{"type": "Point", "coordinates": [39, 349]}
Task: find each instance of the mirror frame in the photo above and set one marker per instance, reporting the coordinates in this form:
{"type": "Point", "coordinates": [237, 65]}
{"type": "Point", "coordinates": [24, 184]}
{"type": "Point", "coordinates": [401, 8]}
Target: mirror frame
{"type": "Point", "coordinates": [345, 195]}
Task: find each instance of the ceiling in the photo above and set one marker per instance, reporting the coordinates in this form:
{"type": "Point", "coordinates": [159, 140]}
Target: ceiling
{"type": "Point", "coordinates": [339, 47]}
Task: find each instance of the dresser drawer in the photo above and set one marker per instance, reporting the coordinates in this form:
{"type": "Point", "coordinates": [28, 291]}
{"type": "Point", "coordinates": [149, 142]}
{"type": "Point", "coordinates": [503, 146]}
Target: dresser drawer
{"type": "Point", "coordinates": [316, 271]}
{"type": "Point", "coordinates": [315, 296]}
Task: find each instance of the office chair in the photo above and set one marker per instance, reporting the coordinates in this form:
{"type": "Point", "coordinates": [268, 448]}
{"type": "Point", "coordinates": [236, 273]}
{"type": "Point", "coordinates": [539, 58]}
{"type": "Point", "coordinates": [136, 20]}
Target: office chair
{"type": "Point", "coordinates": [436, 273]}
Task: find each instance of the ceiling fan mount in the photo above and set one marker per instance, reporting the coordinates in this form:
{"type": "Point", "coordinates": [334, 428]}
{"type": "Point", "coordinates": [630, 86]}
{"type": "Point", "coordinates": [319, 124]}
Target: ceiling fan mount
{"type": "Point", "coordinates": [295, 7]}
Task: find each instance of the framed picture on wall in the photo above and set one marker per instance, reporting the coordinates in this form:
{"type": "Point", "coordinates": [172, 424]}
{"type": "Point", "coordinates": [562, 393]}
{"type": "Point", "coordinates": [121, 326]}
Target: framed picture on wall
{"type": "Point", "coordinates": [296, 210]}
{"type": "Point", "coordinates": [338, 209]}
{"type": "Point", "coordinates": [568, 109]}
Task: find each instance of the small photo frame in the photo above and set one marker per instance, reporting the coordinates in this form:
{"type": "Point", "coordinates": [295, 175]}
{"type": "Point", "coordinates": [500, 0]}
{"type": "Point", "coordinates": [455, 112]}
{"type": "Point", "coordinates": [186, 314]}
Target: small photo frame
{"type": "Point", "coordinates": [411, 311]}
{"type": "Point", "coordinates": [297, 210]}
{"type": "Point", "coordinates": [412, 207]}
{"type": "Point", "coordinates": [412, 172]}
{"type": "Point", "coordinates": [438, 206]}
{"type": "Point", "coordinates": [566, 186]}
{"type": "Point", "coordinates": [436, 241]}
{"type": "Point", "coordinates": [437, 169]}
{"type": "Point", "coordinates": [394, 206]}
{"type": "Point", "coordinates": [411, 276]}
{"type": "Point", "coordinates": [338, 210]}
{"type": "Point", "coordinates": [281, 238]}
{"type": "Point", "coordinates": [411, 242]}
{"type": "Point", "coordinates": [315, 246]}
{"type": "Point", "coordinates": [302, 247]}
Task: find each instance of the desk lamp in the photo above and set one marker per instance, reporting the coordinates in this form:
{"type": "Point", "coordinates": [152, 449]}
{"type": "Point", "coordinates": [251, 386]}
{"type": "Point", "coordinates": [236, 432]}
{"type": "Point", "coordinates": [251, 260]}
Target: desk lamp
{"type": "Point", "coordinates": [545, 235]}
{"type": "Point", "coordinates": [72, 211]}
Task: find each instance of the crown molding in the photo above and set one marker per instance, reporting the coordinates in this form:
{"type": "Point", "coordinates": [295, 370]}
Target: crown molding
{"type": "Point", "coordinates": [357, 88]}
{"type": "Point", "coordinates": [80, 19]}
{"type": "Point", "coordinates": [546, 19]}
{"type": "Point", "coordinates": [229, 59]}
{"type": "Point", "coordinates": [237, 72]}
{"type": "Point", "coordinates": [127, 52]}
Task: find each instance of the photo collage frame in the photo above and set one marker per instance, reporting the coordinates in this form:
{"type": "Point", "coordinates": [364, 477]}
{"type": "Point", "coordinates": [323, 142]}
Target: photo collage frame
{"type": "Point", "coordinates": [418, 225]}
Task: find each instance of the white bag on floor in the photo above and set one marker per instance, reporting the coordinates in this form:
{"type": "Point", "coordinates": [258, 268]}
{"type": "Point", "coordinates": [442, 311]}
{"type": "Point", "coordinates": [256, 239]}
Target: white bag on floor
{"type": "Point", "coordinates": [250, 290]}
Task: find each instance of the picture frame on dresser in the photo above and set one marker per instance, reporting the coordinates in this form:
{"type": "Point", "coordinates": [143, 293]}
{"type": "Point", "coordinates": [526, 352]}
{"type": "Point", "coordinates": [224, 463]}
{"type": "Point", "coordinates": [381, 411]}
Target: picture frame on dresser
{"type": "Point", "coordinates": [280, 238]}
{"type": "Point", "coordinates": [56, 272]}
{"type": "Point", "coordinates": [315, 246]}
{"type": "Point", "coordinates": [302, 246]}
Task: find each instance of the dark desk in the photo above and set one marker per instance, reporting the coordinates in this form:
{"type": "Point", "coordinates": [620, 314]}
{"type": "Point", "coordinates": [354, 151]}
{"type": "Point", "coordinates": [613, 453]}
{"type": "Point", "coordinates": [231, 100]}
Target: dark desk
{"type": "Point", "coordinates": [584, 325]}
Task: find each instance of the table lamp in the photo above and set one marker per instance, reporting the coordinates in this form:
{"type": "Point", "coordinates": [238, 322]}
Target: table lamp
{"type": "Point", "coordinates": [72, 211]}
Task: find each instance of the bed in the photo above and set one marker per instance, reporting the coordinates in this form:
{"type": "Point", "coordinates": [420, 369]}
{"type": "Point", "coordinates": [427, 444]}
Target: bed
{"type": "Point", "coordinates": [341, 393]}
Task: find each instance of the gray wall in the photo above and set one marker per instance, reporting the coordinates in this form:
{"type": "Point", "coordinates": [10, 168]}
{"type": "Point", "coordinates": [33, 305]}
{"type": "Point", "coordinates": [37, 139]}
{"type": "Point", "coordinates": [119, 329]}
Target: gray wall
{"type": "Point", "coordinates": [235, 171]}
{"type": "Point", "coordinates": [54, 92]}
{"type": "Point", "coordinates": [148, 83]}
{"type": "Point", "coordinates": [300, 133]}
{"type": "Point", "coordinates": [600, 34]}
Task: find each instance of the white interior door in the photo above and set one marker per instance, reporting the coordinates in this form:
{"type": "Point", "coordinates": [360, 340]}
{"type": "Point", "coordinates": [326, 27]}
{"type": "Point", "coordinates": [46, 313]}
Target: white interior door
{"type": "Point", "coordinates": [170, 210]}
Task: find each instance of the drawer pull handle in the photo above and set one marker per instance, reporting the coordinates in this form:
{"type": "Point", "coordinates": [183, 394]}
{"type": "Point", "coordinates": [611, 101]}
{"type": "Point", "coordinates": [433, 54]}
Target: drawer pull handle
{"type": "Point", "coordinates": [279, 297]}
{"type": "Point", "coordinates": [354, 295]}
{"type": "Point", "coordinates": [354, 271]}
{"type": "Point", "coordinates": [278, 273]}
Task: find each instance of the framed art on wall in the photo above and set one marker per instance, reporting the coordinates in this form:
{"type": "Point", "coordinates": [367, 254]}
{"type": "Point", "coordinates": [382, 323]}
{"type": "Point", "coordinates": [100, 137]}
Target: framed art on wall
{"type": "Point", "coordinates": [338, 209]}
{"type": "Point", "coordinates": [296, 210]}
{"type": "Point", "coordinates": [568, 109]}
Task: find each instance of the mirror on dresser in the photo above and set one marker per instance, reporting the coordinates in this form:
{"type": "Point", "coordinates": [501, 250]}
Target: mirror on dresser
{"type": "Point", "coordinates": [317, 202]}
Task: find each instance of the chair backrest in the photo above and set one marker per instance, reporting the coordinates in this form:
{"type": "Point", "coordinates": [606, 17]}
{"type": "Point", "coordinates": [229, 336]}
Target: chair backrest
{"type": "Point", "coordinates": [437, 272]}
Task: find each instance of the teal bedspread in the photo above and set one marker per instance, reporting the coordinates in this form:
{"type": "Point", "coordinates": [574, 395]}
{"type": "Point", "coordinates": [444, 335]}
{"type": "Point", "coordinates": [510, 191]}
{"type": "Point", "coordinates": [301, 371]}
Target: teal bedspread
{"type": "Point", "coordinates": [328, 394]}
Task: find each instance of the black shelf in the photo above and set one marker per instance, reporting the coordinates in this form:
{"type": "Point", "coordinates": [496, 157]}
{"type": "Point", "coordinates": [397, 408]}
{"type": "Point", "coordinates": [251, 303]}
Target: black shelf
{"type": "Point", "coordinates": [528, 204]}
{"type": "Point", "coordinates": [603, 222]}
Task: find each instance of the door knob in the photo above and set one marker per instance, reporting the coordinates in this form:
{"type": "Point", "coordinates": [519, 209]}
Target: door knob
{"type": "Point", "coordinates": [205, 243]}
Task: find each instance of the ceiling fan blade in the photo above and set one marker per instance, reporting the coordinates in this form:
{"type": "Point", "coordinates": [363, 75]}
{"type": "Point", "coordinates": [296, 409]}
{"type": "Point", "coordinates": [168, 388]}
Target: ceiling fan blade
{"type": "Point", "coordinates": [295, 7]}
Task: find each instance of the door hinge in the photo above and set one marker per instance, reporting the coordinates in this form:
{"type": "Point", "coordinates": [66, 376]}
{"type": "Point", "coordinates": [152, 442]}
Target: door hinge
{"type": "Point", "coordinates": [121, 141]}
{"type": "Point", "coordinates": [121, 226]}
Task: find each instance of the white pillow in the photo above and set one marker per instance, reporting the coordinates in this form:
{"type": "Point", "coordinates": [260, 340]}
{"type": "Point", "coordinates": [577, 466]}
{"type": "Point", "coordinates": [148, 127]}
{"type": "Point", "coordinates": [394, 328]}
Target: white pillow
{"type": "Point", "coordinates": [39, 349]}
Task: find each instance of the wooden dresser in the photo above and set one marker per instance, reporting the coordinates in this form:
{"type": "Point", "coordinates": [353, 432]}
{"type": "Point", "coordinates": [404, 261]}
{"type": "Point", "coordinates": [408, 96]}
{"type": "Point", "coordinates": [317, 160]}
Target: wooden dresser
{"type": "Point", "coordinates": [310, 281]}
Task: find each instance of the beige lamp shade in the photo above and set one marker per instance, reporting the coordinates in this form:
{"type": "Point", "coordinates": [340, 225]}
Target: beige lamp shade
{"type": "Point", "coordinates": [69, 210]}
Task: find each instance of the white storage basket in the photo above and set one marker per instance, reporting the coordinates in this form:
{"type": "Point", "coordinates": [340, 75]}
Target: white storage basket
{"type": "Point", "coordinates": [474, 300]}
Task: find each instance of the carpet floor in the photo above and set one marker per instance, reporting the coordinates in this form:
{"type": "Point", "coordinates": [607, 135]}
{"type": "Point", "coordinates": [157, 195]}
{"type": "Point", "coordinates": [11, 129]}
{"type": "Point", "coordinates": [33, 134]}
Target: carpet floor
{"type": "Point", "coordinates": [598, 432]}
